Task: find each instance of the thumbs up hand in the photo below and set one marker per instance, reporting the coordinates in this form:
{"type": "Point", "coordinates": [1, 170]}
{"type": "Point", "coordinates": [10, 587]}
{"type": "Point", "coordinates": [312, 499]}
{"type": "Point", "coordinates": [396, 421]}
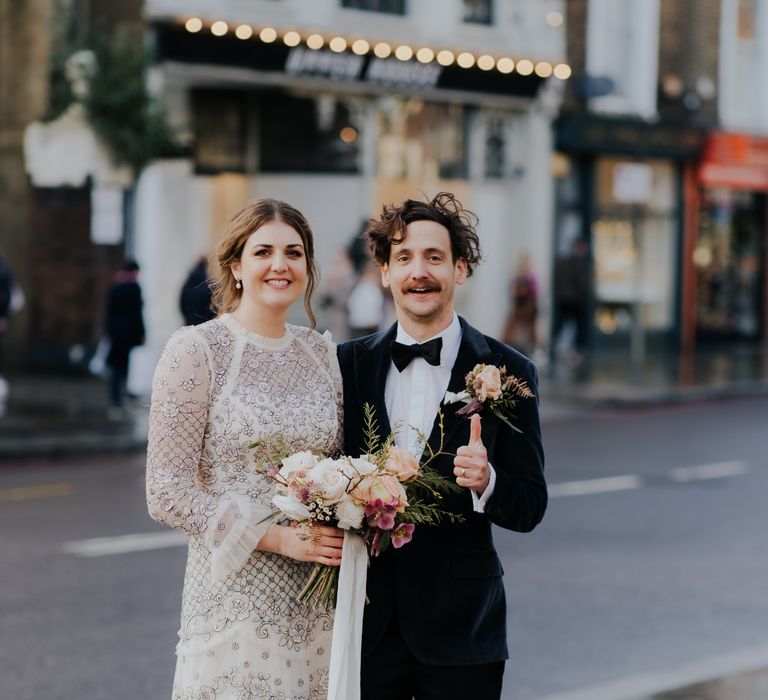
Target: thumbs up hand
{"type": "Point", "coordinates": [471, 462]}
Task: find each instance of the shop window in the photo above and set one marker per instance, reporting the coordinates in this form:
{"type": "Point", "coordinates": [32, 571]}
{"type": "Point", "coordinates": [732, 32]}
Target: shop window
{"type": "Point", "coordinates": [478, 11]}
{"type": "Point", "coordinates": [422, 141]}
{"type": "Point", "coordinates": [634, 240]}
{"type": "Point", "coordinates": [495, 148]}
{"type": "Point", "coordinates": [393, 7]}
{"type": "Point", "coordinates": [273, 132]}
{"type": "Point", "coordinates": [307, 134]}
{"type": "Point", "coordinates": [220, 127]}
{"type": "Point", "coordinates": [729, 260]}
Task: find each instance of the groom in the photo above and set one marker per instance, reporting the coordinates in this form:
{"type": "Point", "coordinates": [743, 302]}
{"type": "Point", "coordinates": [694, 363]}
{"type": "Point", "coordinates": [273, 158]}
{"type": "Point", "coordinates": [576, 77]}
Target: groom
{"type": "Point", "coordinates": [435, 627]}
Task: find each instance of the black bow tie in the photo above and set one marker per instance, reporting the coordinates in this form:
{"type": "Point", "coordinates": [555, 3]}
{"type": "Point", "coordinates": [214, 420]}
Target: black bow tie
{"type": "Point", "coordinates": [403, 354]}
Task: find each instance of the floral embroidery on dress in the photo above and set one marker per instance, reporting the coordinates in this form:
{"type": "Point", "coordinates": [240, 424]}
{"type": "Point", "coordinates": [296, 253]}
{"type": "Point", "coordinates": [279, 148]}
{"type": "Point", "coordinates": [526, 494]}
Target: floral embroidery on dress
{"type": "Point", "coordinates": [218, 388]}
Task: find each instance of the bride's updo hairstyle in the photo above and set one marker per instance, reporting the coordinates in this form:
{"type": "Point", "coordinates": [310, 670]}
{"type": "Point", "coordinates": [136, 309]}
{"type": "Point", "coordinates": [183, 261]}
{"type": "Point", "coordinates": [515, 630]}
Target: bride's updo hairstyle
{"type": "Point", "coordinates": [226, 297]}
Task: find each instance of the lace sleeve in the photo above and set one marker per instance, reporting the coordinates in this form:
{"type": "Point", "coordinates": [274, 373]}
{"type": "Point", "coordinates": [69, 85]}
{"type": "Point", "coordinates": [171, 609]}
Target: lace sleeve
{"type": "Point", "coordinates": [177, 421]}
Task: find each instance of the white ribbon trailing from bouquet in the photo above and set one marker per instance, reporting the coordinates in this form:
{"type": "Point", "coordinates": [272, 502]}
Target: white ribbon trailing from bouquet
{"type": "Point", "coordinates": [346, 645]}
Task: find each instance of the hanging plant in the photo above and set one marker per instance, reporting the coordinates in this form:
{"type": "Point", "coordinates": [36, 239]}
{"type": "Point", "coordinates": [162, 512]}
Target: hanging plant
{"type": "Point", "coordinates": [118, 106]}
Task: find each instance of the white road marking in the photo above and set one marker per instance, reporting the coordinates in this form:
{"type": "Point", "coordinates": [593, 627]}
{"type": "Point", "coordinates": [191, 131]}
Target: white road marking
{"type": "Point", "coordinates": [101, 546]}
{"type": "Point", "coordinates": [709, 471]}
{"type": "Point", "coordinates": [628, 482]}
{"type": "Point", "coordinates": [591, 486]}
{"type": "Point", "coordinates": [645, 685]}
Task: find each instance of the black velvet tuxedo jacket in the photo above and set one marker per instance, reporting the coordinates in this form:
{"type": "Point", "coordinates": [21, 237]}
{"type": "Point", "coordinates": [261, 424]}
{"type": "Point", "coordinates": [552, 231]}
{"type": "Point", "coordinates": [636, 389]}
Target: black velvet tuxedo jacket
{"type": "Point", "coordinates": [445, 585]}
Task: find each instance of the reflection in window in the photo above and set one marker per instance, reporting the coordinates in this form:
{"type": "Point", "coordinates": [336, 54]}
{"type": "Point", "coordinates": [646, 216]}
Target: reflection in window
{"type": "Point", "coordinates": [419, 140]}
{"type": "Point", "coordinates": [495, 147]}
{"type": "Point", "coordinates": [478, 11]}
{"type": "Point", "coordinates": [305, 134]}
{"type": "Point", "coordinates": [220, 131]}
{"type": "Point", "coordinates": [394, 7]}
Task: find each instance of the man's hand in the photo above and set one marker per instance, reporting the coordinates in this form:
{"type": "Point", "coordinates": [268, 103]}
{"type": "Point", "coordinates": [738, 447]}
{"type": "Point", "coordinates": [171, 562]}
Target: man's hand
{"type": "Point", "coordinates": [471, 462]}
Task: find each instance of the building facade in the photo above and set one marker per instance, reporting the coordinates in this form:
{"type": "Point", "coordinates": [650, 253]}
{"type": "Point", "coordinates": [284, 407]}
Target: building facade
{"type": "Point", "coordinates": [340, 106]}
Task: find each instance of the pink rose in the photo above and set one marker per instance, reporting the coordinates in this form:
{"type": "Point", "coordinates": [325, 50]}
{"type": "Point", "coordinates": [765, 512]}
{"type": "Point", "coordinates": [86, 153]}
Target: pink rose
{"type": "Point", "coordinates": [487, 383]}
{"type": "Point", "coordinates": [381, 487]}
{"type": "Point", "coordinates": [402, 464]}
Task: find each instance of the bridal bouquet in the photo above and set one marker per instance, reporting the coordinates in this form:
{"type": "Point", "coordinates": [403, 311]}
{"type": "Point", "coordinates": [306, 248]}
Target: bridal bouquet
{"type": "Point", "coordinates": [381, 496]}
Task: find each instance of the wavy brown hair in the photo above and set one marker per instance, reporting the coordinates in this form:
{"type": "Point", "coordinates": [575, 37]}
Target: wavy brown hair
{"type": "Point", "coordinates": [444, 209]}
{"type": "Point", "coordinates": [226, 297]}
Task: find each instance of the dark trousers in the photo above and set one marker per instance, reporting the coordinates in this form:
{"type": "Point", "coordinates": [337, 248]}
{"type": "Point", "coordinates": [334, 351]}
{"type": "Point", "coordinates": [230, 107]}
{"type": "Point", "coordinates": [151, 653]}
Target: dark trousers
{"type": "Point", "coordinates": [118, 358]}
{"type": "Point", "coordinates": [392, 672]}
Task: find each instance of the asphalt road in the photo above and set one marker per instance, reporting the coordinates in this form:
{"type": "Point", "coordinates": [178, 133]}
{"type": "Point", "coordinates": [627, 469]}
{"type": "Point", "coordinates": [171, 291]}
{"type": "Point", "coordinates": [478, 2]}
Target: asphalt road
{"type": "Point", "coordinates": [650, 570]}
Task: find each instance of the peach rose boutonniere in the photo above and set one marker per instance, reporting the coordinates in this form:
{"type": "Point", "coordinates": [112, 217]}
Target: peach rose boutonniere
{"type": "Point", "coordinates": [488, 386]}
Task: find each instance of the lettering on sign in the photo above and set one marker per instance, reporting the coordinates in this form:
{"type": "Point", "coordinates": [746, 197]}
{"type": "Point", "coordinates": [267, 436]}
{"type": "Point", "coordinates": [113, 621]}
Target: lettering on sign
{"type": "Point", "coordinates": [392, 71]}
{"type": "Point", "coordinates": [339, 66]}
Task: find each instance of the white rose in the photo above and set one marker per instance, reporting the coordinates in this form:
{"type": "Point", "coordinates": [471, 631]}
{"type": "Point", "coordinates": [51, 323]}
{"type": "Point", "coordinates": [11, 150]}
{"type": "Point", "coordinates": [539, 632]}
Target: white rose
{"type": "Point", "coordinates": [290, 506]}
{"type": "Point", "coordinates": [349, 514]}
{"type": "Point", "coordinates": [358, 466]}
{"type": "Point", "coordinates": [295, 462]}
{"type": "Point", "coordinates": [329, 481]}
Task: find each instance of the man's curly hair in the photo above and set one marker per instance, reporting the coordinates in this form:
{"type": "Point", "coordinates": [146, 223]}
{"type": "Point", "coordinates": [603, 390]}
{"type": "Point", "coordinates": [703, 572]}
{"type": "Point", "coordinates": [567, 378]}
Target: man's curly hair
{"type": "Point", "coordinates": [444, 209]}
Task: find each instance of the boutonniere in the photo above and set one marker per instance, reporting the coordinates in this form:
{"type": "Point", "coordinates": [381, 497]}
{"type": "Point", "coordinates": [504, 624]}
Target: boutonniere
{"type": "Point", "coordinates": [490, 387]}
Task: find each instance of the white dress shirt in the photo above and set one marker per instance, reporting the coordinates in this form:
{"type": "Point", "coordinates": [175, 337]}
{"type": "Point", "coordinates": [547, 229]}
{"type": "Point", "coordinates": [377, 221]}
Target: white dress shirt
{"type": "Point", "coordinates": [413, 396]}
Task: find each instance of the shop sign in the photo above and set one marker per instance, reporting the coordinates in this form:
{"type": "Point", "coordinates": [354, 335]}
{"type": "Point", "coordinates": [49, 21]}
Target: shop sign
{"type": "Point", "coordinates": [344, 66]}
{"type": "Point", "coordinates": [735, 160]}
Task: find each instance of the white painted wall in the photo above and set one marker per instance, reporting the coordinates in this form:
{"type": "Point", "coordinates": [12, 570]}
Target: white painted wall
{"type": "Point", "coordinates": [520, 26]}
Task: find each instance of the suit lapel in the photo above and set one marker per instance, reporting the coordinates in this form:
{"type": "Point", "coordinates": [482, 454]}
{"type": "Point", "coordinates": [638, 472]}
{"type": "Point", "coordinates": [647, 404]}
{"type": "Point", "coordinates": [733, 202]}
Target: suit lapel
{"type": "Point", "coordinates": [372, 362]}
{"type": "Point", "coordinates": [472, 350]}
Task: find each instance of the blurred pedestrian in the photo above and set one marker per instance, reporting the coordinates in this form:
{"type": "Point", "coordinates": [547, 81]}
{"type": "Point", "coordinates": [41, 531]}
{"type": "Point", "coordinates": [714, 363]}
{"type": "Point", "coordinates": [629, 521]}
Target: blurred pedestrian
{"type": "Point", "coordinates": [520, 329]}
{"type": "Point", "coordinates": [6, 308]}
{"type": "Point", "coordinates": [125, 328]}
{"type": "Point", "coordinates": [339, 279]}
{"type": "Point", "coordinates": [573, 288]}
{"type": "Point", "coordinates": [196, 293]}
{"type": "Point", "coordinates": [365, 305]}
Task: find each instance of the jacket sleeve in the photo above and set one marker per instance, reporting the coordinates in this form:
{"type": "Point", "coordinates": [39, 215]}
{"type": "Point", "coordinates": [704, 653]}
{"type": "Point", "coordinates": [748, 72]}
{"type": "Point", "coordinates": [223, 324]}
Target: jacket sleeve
{"type": "Point", "coordinates": [519, 498]}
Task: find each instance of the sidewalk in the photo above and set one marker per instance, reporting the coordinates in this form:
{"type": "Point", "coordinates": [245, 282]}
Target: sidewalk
{"type": "Point", "coordinates": [50, 416]}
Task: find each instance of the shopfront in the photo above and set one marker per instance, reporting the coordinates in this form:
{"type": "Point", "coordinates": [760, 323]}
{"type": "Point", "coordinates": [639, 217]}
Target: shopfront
{"type": "Point", "coordinates": [727, 262]}
{"type": "Point", "coordinates": [622, 192]}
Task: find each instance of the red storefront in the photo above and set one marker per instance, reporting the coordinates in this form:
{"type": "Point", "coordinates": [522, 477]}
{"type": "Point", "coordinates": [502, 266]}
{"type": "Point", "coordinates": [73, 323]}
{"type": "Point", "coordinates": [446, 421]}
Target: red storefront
{"type": "Point", "coordinates": [725, 247]}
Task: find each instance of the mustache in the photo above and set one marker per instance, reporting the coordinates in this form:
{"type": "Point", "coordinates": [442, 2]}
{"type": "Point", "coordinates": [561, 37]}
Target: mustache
{"type": "Point", "coordinates": [428, 286]}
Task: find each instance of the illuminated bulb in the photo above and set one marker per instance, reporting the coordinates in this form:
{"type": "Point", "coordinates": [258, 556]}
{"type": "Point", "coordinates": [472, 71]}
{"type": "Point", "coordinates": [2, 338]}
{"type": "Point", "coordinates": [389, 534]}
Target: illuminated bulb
{"type": "Point", "coordinates": [404, 53]}
{"type": "Point", "coordinates": [543, 69]}
{"type": "Point", "coordinates": [445, 57]}
{"type": "Point", "coordinates": [525, 67]}
{"type": "Point", "coordinates": [267, 35]}
{"type": "Point", "coordinates": [466, 60]}
{"type": "Point", "coordinates": [382, 49]}
{"type": "Point", "coordinates": [425, 55]}
{"type": "Point", "coordinates": [486, 62]}
{"type": "Point", "coordinates": [315, 41]}
{"type": "Point", "coordinates": [292, 39]}
{"type": "Point", "coordinates": [338, 44]}
{"type": "Point", "coordinates": [348, 134]}
{"type": "Point", "coordinates": [562, 71]}
{"type": "Point", "coordinates": [193, 24]}
{"type": "Point", "coordinates": [505, 65]}
{"type": "Point", "coordinates": [219, 28]}
{"type": "Point", "coordinates": [554, 19]}
{"type": "Point", "coordinates": [243, 32]}
{"type": "Point", "coordinates": [361, 47]}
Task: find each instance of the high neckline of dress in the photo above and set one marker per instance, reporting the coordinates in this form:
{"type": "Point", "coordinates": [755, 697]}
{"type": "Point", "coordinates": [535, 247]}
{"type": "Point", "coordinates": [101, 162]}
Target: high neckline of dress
{"type": "Point", "coordinates": [255, 338]}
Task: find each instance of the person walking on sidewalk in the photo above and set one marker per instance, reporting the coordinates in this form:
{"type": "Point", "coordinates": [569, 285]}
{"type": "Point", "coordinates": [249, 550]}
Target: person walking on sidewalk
{"type": "Point", "coordinates": [435, 626]}
{"type": "Point", "coordinates": [125, 329]}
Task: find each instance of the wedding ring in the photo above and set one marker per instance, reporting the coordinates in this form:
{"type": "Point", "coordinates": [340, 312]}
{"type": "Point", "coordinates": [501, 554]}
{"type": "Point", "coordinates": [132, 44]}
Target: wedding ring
{"type": "Point", "coordinates": [463, 472]}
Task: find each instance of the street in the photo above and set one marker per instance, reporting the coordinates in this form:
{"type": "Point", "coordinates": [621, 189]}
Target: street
{"type": "Point", "coordinates": [650, 566]}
